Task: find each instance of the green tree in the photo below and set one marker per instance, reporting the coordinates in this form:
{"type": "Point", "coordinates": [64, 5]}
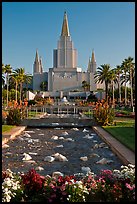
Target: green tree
{"type": "Point", "coordinates": [7, 71]}
{"type": "Point", "coordinates": [85, 85]}
{"type": "Point", "coordinates": [113, 78]}
{"type": "Point", "coordinates": [103, 75]}
{"type": "Point", "coordinates": [118, 73]}
{"type": "Point", "coordinates": [43, 85]}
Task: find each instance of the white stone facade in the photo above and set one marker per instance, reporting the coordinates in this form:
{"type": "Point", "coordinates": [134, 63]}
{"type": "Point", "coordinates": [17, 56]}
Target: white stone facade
{"type": "Point", "coordinates": [65, 75]}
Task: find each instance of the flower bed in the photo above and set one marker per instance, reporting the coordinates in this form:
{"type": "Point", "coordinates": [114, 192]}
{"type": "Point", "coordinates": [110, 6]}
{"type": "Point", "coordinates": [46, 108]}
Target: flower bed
{"type": "Point", "coordinates": [108, 186]}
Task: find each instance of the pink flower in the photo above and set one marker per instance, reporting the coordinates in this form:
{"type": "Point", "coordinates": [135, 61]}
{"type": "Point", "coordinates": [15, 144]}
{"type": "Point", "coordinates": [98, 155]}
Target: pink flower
{"type": "Point", "coordinates": [130, 187]}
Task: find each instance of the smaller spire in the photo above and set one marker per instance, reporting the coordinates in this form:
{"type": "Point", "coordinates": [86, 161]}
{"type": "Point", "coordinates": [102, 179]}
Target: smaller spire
{"type": "Point", "coordinates": [37, 56]}
{"type": "Point", "coordinates": [93, 56]}
{"type": "Point", "coordinates": [41, 66]}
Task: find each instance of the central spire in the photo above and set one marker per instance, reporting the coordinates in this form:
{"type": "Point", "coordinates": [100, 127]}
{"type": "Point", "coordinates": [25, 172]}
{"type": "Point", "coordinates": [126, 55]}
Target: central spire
{"type": "Point", "coordinates": [65, 28]}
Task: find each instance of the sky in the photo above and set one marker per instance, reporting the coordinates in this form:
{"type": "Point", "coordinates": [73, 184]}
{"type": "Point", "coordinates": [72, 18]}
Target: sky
{"type": "Point", "coordinates": [108, 28]}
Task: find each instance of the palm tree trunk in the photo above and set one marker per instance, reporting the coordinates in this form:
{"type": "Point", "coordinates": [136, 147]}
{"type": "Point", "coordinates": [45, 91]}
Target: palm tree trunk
{"type": "Point", "coordinates": [16, 91]}
{"type": "Point", "coordinates": [113, 93]}
{"type": "Point", "coordinates": [106, 88]}
{"type": "Point", "coordinates": [119, 87]}
{"type": "Point", "coordinates": [7, 88]}
{"type": "Point", "coordinates": [131, 88]}
{"type": "Point", "coordinates": [125, 91]}
{"type": "Point", "coordinates": [20, 92]}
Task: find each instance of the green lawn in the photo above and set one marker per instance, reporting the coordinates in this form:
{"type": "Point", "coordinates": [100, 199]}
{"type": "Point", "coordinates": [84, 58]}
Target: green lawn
{"type": "Point", "coordinates": [6, 128]}
{"type": "Point", "coordinates": [124, 131]}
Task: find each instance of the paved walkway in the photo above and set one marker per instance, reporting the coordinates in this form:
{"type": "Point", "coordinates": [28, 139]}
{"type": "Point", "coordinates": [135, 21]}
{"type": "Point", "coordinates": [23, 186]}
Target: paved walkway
{"type": "Point", "coordinates": [126, 155]}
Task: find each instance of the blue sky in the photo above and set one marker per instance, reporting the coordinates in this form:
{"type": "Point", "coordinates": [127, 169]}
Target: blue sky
{"type": "Point", "coordinates": [106, 27]}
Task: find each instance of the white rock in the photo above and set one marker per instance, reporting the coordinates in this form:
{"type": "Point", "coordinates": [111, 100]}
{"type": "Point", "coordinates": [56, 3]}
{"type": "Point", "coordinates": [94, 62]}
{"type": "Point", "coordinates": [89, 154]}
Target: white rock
{"type": "Point", "coordinates": [93, 134]}
{"type": "Point", "coordinates": [5, 146]}
{"type": "Point", "coordinates": [57, 174]}
{"type": "Point", "coordinates": [35, 140]}
{"type": "Point", "coordinates": [55, 123]}
{"type": "Point", "coordinates": [85, 130]}
{"type": "Point", "coordinates": [57, 128]}
{"type": "Point", "coordinates": [76, 129]}
{"type": "Point", "coordinates": [54, 137]}
{"type": "Point", "coordinates": [64, 133]}
{"type": "Point", "coordinates": [33, 153]}
{"type": "Point", "coordinates": [41, 134]}
{"type": "Point", "coordinates": [27, 135]}
{"type": "Point", "coordinates": [20, 138]}
{"type": "Point", "coordinates": [95, 141]}
{"type": "Point", "coordinates": [49, 159]}
{"type": "Point", "coordinates": [102, 161]}
{"type": "Point", "coordinates": [61, 138]}
{"type": "Point", "coordinates": [39, 168]}
{"type": "Point", "coordinates": [59, 146]}
{"type": "Point", "coordinates": [69, 139]}
{"type": "Point", "coordinates": [30, 161]}
{"type": "Point", "coordinates": [26, 157]}
{"type": "Point", "coordinates": [88, 137]}
{"type": "Point", "coordinates": [30, 141]}
{"type": "Point", "coordinates": [96, 146]}
{"type": "Point", "coordinates": [94, 155]}
{"type": "Point", "coordinates": [84, 158]}
{"type": "Point", "coordinates": [29, 131]}
{"type": "Point", "coordinates": [85, 169]}
{"type": "Point", "coordinates": [102, 144]}
{"type": "Point", "coordinates": [60, 157]}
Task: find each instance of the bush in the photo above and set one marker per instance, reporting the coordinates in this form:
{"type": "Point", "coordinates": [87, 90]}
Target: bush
{"type": "Point", "coordinates": [4, 117]}
{"type": "Point", "coordinates": [103, 114]}
{"type": "Point", "coordinates": [108, 186]}
{"type": "Point", "coordinates": [14, 117]}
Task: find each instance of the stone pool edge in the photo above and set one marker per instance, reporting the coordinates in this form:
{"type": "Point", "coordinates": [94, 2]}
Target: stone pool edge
{"type": "Point", "coordinates": [124, 154]}
{"type": "Point", "coordinates": [12, 134]}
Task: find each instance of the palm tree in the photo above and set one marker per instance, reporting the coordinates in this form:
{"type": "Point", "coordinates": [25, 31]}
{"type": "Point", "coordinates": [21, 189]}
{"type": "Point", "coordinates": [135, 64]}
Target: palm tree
{"type": "Point", "coordinates": [103, 75]}
{"type": "Point", "coordinates": [131, 68]}
{"type": "Point", "coordinates": [3, 78]}
{"type": "Point", "coordinates": [16, 79]}
{"type": "Point", "coordinates": [85, 85]}
{"type": "Point", "coordinates": [20, 72]}
{"type": "Point", "coordinates": [22, 77]}
{"type": "Point", "coordinates": [113, 78]}
{"type": "Point", "coordinates": [43, 85]}
{"type": "Point", "coordinates": [127, 67]}
{"type": "Point", "coordinates": [118, 73]}
{"type": "Point", "coordinates": [7, 71]}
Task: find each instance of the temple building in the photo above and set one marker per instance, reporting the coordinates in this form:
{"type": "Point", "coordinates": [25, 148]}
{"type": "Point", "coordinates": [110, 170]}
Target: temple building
{"type": "Point", "coordinates": [65, 75]}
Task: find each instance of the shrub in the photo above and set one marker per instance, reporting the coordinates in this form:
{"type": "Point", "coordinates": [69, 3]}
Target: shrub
{"type": "Point", "coordinates": [103, 114]}
{"type": "Point", "coordinates": [4, 117]}
{"type": "Point", "coordinates": [14, 116]}
{"type": "Point", "coordinates": [108, 186]}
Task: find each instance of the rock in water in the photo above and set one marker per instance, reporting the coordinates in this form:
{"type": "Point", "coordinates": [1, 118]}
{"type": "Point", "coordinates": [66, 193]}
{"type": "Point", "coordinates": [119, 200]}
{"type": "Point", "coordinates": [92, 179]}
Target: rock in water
{"type": "Point", "coordinates": [76, 129]}
{"type": "Point", "coordinates": [84, 158]}
{"type": "Point", "coordinates": [102, 161]}
{"type": "Point", "coordinates": [94, 155]}
{"type": "Point", "coordinates": [26, 157]}
{"type": "Point", "coordinates": [26, 135]}
{"type": "Point", "coordinates": [39, 168]}
{"type": "Point", "coordinates": [59, 146]}
{"type": "Point", "coordinates": [85, 169]}
{"type": "Point", "coordinates": [64, 133]}
{"type": "Point", "coordinates": [85, 130]}
{"type": "Point", "coordinates": [57, 174]}
{"type": "Point", "coordinates": [54, 138]}
{"type": "Point", "coordinates": [49, 159]}
{"type": "Point", "coordinates": [60, 157]}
